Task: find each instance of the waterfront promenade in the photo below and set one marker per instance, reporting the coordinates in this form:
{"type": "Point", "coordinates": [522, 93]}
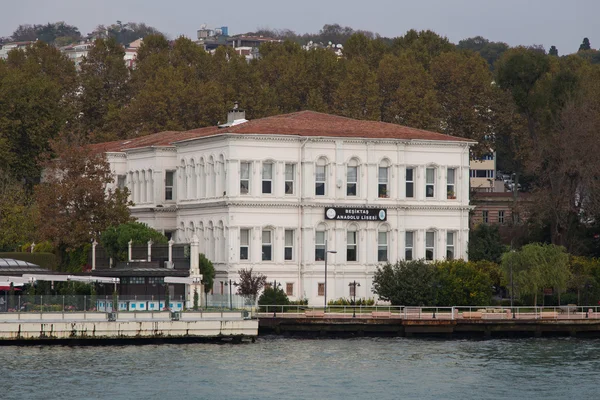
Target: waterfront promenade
{"type": "Point", "coordinates": [448, 322]}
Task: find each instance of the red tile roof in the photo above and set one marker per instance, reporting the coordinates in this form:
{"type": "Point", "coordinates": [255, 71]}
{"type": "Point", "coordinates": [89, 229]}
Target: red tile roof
{"type": "Point", "coordinates": [302, 123]}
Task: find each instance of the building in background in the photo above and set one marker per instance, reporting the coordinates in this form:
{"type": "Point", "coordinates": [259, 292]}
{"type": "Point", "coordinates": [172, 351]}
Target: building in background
{"type": "Point", "coordinates": [284, 194]}
{"type": "Point", "coordinates": [483, 173]}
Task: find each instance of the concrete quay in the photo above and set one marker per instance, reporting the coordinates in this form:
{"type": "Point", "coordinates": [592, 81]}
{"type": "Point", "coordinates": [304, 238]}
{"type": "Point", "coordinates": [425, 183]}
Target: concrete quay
{"type": "Point", "coordinates": [426, 325]}
{"type": "Point", "coordinates": [125, 327]}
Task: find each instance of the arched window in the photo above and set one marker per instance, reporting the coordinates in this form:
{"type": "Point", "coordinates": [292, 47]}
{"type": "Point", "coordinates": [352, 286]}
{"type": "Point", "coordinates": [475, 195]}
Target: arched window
{"type": "Point", "coordinates": [352, 243]}
{"type": "Point", "coordinates": [184, 183]}
{"type": "Point", "coordinates": [201, 180]}
{"type": "Point", "coordinates": [352, 178]}
{"type": "Point", "coordinates": [321, 177]}
{"type": "Point", "coordinates": [143, 187]}
{"type": "Point", "coordinates": [383, 179]}
{"type": "Point", "coordinates": [192, 179]}
{"type": "Point", "coordinates": [150, 188]}
{"type": "Point", "coordinates": [222, 177]}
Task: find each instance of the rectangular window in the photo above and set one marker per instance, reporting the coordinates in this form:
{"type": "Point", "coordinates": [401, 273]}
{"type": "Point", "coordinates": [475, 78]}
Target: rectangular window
{"type": "Point", "coordinates": [244, 244]}
{"type": "Point", "coordinates": [267, 246]}
{"type": "Point", "coordinates": [244, 178]}
{"type": "Point", "coordinates": [321, 289]}
{"type": "Point", "coordinates": [121, 180]}
{"type": "Point", "coordinates": [450, 183]}
{"type": "Point", "coordinates": [320, 180]}
{"type": "Point", "coordinates": [289, 289]}
{"type": "Point", "coordinates": [409, 245]}
{"type": "Point", "coordinates": [351, 181]}
{"type": "Point", "coordinates": [501, 217]}
{"type": "Point", "coordinates": [450, 245]}
{"type": "Point", "coordinates": [153, 280]}
{"type": "Point", "coordinates": [289, 245]}
{"type": "Point", "coordinates": [320, 246]}
{"type": "Point", "coordinates": [352, 290]}
{"type": "Point", "coordinates": [429, 245]}
{"type": "Point", "coordinates": [484, 216]}
{"type": "Point", "coordinates": [169, 178]}
{"type": "Point", "coordinates": [289, 178]}
{"type": "Point", "coordinates": [382, 246]}
{"type": "Point", "coordinates": [351, 246]}
{"type": "Point", "coordinates": [410, 182]}
{"type": "Point", "coordinates": [267, 178]}
{"type": "Point", "coordinates": [383, 182]}
{"type": "Point", "coordinates": [429, 182]}
{"type": "Point", "coordinates": [137, 280]}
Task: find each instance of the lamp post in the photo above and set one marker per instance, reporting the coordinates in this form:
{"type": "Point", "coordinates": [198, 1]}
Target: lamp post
{"type": "Point", "coordinates": [275, 286]}
{"type": "Point", "coordinates": [231, 283]}
{"type": "Point", "coordinates": [512, 284]}
{"type": "Point", "coordinates": [325, 292]}
{"type": "Point", "coordinates": [354, 285]}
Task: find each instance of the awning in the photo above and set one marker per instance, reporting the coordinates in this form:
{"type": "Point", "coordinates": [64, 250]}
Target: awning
{"type": "Point", "coordinates": [7, 288]}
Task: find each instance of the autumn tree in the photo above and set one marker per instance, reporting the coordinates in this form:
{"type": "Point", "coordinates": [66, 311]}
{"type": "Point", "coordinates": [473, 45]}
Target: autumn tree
{"type": "Point", "coordinates": [250, 283]}
{"type": "Point", "coordinates": [17, 214]}
{"type": "Point", "coordinates": [357, 95]}
{"type": "Point", "coordinates": [407, 91]}
{"type": "Point", "coordinates": [463, 84]}
{"type": "Point", "coordinates": [76, 202]}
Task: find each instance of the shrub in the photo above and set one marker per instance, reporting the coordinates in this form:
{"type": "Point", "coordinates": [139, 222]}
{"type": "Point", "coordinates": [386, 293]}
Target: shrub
{"type": "Point", "coordinates": [272, 296]}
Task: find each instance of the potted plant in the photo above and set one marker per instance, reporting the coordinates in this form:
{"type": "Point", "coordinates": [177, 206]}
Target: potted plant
{"type": "Point", "coordinates": [383, 192]}
{"type": "Point", "coordinates": [451, 194]}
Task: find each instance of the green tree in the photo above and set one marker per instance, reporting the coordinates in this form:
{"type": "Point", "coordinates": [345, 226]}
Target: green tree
{"type": "Point", "coordinates": [553, 51]}
{"type": "Point", "coordinates": [115, 240]}
{"type": "Point", "coordinates": [425, 45]}
{"type": "Point", "coordinates": [585, 45]}
{"type": "Point", "coordinates": [536, 266]}
{"type": "Point", "coordinates": [208, 275]}
{"type": "Point", "coordinates": [17, 214]}
{"type": "Point", "coordinates": [104, 89]}
{"type": "Point", "coordinates": [271, 297]}
{"type": "Point", "coordinates": [460, 283]}
{"type": "Point", "coordinates": [485, 243]}
{"type": "Point", "coordinates": [37, 90]}
{"type": "Point", "coordinates": [489, 51]}
{"type": "Point", "coordinates": [408, 283]}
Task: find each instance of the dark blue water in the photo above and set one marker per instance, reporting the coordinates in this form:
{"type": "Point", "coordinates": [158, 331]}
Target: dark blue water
{"type": "Point", "coordinates": [274, 368]}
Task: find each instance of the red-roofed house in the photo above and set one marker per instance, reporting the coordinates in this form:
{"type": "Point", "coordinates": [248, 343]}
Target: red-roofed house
{"type": "Point", "coordinates": [280, 194]}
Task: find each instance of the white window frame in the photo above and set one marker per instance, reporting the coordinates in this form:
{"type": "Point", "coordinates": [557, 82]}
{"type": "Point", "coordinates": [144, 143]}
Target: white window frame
{"type": "Point", "coordinates": [245, 232]}
{"type": "Point", "coordinates": [323, 181]}
{"type": "Point", "coordinates": [451, 184]}
{"type": "Point", "coordinates": [352, 233]}
{"type": "Point", "coordinates": [169, 189]}
{"type": "Point", "coordinates": [320, 245]}
{"type": "Point", "coordinates": [382, 246]}
{"type": "Point", "coordinates": [430, 245]}
{"type": "Point", "coordinates": [383, 190]}
{"type": "Point", "coordinates": [430, 186]}
{"type": "Point", "coordinates": [501, 216]}
{"type": "Point", "coordinates": [267, 180]}
{"type": "Point", "coordinates": [485, 216]}
{"type": "Point", "coordinates": [289, 179]}
{"type": "Point", "coordinates": [268, 244]}
{"type": "Point", "coordinates": [409, 245]}
{"type": "Point", "coordinates": [450, 245]}
{"type": "Point", "coordinates": [288, 245]}
{"type": "Point", "coordinates": [410, 183]}
{"type": "Point", "coordinates": [352, 181]}
{"type": "Point", "coordinates": [246, 178]}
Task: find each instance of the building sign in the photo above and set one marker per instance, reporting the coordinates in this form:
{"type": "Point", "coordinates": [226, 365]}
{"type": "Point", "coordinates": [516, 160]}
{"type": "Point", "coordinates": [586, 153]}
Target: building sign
{"type": "Point", "coordinates": [355, 214]}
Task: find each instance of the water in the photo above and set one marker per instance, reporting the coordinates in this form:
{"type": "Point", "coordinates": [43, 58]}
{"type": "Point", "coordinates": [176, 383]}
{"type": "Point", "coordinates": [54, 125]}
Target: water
{"type": "Point", "coordinates": [276, 368]}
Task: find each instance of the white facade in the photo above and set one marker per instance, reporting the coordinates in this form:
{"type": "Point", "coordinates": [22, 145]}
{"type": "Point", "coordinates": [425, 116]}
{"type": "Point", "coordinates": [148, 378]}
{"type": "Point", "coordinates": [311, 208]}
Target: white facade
{"type": "Point", "coordinates": [238, 230]}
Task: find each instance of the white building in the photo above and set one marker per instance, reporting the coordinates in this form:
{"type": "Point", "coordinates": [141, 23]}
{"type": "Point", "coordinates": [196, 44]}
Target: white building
{"type": "Point", "coordinates": [256, 193]}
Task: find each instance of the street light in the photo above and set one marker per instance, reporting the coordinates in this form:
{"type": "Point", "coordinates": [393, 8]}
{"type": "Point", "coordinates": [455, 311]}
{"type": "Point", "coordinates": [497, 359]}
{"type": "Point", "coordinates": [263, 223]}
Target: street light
{"type": "Point", "coordinates": [332, 252]}
{"type": "Point", "coordinates": [354, 285]}
{"type": "Point", "coordinates": [231, 283]}
{"type": "Point", "coordinates": [512, 284]}
{"type": "Point", "coordinates": [275, 286]}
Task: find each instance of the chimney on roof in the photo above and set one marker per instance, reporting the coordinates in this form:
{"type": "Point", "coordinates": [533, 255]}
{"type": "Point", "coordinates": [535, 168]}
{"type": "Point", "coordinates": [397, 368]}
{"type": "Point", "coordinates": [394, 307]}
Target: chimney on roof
{"type": "Point", "coordinates": [236, 113]}
{"type": "Point", "coordinates": [235, 116]}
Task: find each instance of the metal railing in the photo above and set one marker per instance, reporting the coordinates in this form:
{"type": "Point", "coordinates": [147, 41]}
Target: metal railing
{"type": "Point", "coordinates": [432, 313]}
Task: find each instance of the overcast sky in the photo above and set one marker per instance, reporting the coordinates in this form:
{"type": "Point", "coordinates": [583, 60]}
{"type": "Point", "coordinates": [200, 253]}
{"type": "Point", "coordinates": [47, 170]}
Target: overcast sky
{"type": "Point", "coordinates": [547, 22]}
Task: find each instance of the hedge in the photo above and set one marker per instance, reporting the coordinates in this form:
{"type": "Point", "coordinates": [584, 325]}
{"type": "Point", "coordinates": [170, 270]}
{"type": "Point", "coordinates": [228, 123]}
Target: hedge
{"type": "Point", "coordinates": [44, 260]}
